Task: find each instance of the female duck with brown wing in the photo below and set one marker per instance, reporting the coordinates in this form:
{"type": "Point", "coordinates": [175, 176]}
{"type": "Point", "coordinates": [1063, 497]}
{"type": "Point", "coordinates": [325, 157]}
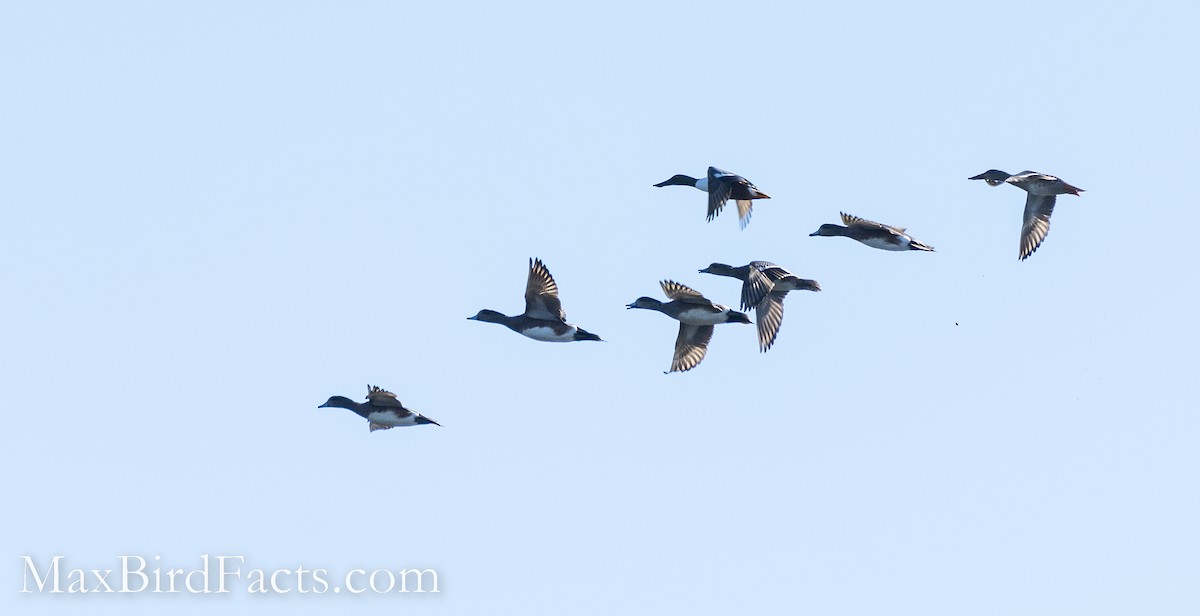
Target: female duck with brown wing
{"type": "Point", "coordinates": [1039, 203]}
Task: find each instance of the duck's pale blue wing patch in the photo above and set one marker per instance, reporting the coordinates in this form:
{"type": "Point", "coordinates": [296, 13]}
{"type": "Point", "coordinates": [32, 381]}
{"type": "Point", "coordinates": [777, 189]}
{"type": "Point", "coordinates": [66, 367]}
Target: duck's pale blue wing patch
{"type": "Point", "coordinates": [720, 184]}
{"type": "Point", "coordinates": [690, 346]}
{"type": "Point", "coordinates": [541, 294]}
{"type": "Point", "coordinates": [1036, 225]}
{"type": "Point", "coordinates": [683, 293]}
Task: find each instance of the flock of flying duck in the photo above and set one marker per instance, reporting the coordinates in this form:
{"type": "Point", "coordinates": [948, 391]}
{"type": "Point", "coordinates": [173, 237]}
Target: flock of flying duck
{"type": "Point", "coordinates": [764, 285]}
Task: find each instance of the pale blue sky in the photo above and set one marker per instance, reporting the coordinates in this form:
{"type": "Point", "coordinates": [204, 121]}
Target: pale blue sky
{"type": "Point", "coordinates": [219, 214]}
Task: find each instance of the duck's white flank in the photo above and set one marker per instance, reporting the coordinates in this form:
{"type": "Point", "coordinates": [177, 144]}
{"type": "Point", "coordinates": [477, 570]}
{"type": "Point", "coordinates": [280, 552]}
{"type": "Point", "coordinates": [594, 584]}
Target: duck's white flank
{"type": "Point", "coordinates": [883, 244]}
{"type": "Point", "coordinates": [547, 334]}
{"type": "Point", "coordinates": [702, 316]}
{"type": "Point", "coordinates": [389, 418]}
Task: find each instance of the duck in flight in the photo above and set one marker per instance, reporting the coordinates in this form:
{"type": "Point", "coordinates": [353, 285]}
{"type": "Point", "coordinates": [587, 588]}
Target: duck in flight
{"type": "Point", "coordinates": [871, 233]}
{"type": "Point", "coordinates": [764, 285]}
{"type": "Point", "coordinates": [381, 410]}
{"type": "Point", "coordinates": [722, 186]}
{"type": "Point", "coordinates": [1042, 192]}
{"type": "Point", "coordinates": [696, 315]}
{"type": "Point", "coordinates": [544, 318]}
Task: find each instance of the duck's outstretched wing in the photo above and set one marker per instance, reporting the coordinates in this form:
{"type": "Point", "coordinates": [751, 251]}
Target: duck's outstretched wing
{"type": "Point", "coordinates": [380, 397]}
{"type": "Point", "coordinates": [541, 294]}
{"type": "Point", "coordinates": [683, 293]}
{"type": "Point", "coordinates": [720, 185]}
{"type": "Point", "coordinates": [769, 314]}
{"type": "Point", "coordinates": [851, 220]}
{"type": "Point", "coordinates": [1036, 225]}
{"type": "Point", "coordinates": [690, 346]}
{"type": "Point", "coordinates": [759, 281]}
{"type": "Point", "coordinates": [744, 207]}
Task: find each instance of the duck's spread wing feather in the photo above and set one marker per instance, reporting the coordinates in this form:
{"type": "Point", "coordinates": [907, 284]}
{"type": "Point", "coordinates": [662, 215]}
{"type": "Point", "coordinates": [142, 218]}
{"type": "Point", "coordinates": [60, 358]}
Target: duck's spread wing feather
{"type": "Point", "coordinates": [541, 294]}
{"type": "Point", "coordinates": [378, 396]}
{"type": "Point", "coordinates": [690, 346]}
{"type": "Point", "coordinates": [761, 279]}
{"type": "Point", "coordinates": [769, 313]}
{"type": "Point", "coordinates": [720, 185]}
{"type": "Point", "coordinates": [683, 293]}
{"type": "Point", "coordinates": [851, 220]}
{"type": "Point", "coordinates": [774, 272]}
{"type": "Point", "coordinates": [744, 207]}
{"type": "Point", "coordinates": [1036, 223]}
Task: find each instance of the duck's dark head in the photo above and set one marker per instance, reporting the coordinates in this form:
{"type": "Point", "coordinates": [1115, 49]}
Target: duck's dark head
{"type": "Point", "coordinates": [828, 230]}
{"type": "Point", "coordinates": [738, 317]}
{"type": "Point", "coordinates": [340, 402]}
{"type": "Point", "coordinates": [677, 180]}
{"type": "Point", "coordinates": [804, 284]}
{"type": "Point", "coordinates": [421, 419]}
{"type": "Point", "coordinates": [490, 316]}
{"type": "Point", "coordinates": [645, 302]}
{"type": "Point", "coordinates": [993, 177]}
{"type": "Point", "coordinates": [719, 269]}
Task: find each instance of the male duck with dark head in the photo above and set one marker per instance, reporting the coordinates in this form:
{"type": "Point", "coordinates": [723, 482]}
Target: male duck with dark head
{"type": "Point", "coordinates": [764, 285]}
{"type": "Point", "coordinates": [873, 234]}
{"type": "Point", "coordinates": [1042, 192]}
{"type": "Point", "coordinates": [544, 318]}
{"type": "Point", "coordinates": [382, 410]}
{"type": "Point", "coordinates": [696, 315]}
{"type": "Point", "coordinates": [722, 186]}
